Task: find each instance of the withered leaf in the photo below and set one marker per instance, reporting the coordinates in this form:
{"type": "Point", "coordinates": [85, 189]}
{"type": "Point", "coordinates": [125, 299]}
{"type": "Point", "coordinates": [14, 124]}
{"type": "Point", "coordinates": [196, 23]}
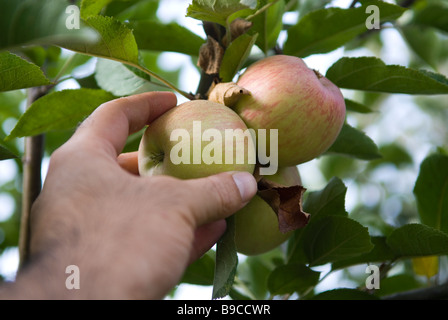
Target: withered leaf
{"type": "Point", "coordinates": [227, 93]}
{"type": "Point", "coordinates": [286, 201]}
{"type": "Point", "coordinates": [214, 30]}
{"type": "Point", "coordinates": [210, 56]}
{"type": "Point", "coordinates": [237, 27]}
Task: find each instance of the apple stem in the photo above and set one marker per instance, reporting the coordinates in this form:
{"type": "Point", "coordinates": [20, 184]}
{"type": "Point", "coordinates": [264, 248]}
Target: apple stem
{"type": "Point", "coordinates": [318, 74]}
{"type": "Point", "coordinates": [165, 82]}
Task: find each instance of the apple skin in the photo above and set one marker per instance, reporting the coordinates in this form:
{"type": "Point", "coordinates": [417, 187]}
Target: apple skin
{"type": "Point", "coordinates": [307, 109]}
{"type": "Point", "coordinates": [256, 225]}
{"type": "Point", "coordinates": [155, 145]}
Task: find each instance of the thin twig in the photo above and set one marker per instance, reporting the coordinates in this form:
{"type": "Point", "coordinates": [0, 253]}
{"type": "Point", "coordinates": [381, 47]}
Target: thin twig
{"type": "Point", "coordinates": [353, 4]}
{"type": "Point", "coordinates": [165, 82]}
{"type": "Point", "coordinates": [32, 181]}
{"type": "Point", "coordinates": [438, 292]}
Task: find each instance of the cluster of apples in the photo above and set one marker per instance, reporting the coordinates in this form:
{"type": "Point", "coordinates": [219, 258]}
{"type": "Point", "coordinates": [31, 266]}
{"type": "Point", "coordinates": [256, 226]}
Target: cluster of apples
{"type": "Point", "coordinates": [305, 108]}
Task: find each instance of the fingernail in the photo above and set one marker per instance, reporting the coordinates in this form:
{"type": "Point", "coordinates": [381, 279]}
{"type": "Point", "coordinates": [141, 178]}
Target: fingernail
{"type": "Point", "coordinates": [246, 185]}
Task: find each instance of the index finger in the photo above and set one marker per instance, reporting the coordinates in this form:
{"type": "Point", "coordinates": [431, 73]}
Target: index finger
{"type": "Point", "coordinates": [112, 122]}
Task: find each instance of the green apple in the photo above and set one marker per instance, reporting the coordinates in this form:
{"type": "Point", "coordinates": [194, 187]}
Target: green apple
{"type": "Point", "coordinates": [306, 108]}
{"type": "Point", "coordinates": [196, 139]}
{"type": "Point", "coordinates": [256, 225]}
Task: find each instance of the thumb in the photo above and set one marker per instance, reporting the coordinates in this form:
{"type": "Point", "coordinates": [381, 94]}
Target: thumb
{"type": "Point", "coordinates": [219, 196]}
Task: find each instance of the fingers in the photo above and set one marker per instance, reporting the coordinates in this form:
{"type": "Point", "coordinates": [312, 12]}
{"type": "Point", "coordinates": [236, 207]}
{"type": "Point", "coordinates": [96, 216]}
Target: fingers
{"type": "Point", "coordinates": [111, 123]}
{"type": "Point", "coordinates": [205, 237]}
{"type": "Point", "coordinates": [219, 196]}
{"type": "Point", "coordinates": [129, 162]}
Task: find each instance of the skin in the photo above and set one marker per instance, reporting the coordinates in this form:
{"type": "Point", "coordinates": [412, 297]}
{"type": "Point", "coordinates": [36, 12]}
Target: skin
{"type": "Point", "coordinates": [256, 225]}
{"type": "Point", "coordinates": [306, 108]}
{"type": "Point", "coordinates": [156, 145]}
{"type": "Point", "coordinates": [131, 237]}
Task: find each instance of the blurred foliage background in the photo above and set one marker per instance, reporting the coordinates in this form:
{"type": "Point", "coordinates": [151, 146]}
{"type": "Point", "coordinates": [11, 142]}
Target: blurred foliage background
{"type": "Point", "coordinates": [379, 192]}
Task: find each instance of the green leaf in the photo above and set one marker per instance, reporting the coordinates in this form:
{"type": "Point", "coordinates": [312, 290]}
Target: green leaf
{"type": "Point", "coordinates": [6, 154]}
{"type": "Point", "coordinates": [415, 240]}
{"type": "Point", "coordinates": [17, 73]}
{"type": "Point", "coordinates": [431, 192]}
{"type": "Point", "coordinates": [10, 103]}
{"type": "Point", "coordinates": [59, 111]}
{"type": "Point", "coordinates": [306, 6]}
{"type": "Point", "coordinates": [334, 238]}
{"type": "Point", "coordinates": [43, 22]}
{"type": "Point", "coordinates": [226, 262]}
{"type": "Point", "coordinates": [328, 201]}
{"type": "Point", "coordinates": [93, 7]}
{"type": "Point", "coordinates": [435, 15]}
{"type": "Point", "coordinates": [424, 42]}
{"type": "Point", "coordinates": [235, 56]}
{"type": "Point", "coordinates": [253, 273]}
{"type": "Point", "coordinates": [116, 41]}
{"type": "Point", "coordinates": [372, 74]}
{"type": "Point", "coordinates": [381, 252]}
{"type": "Point", "coordinates": [236, 295]}
{"type": "Point", "coordinates": [153, 35]}
{"type": "Point", "coordinates": [119, 79]}
{"type": "Point", "coordinates": [88, 82]}
{"type": "Point", "coordinates": [354, 143]}
{"type": "Point", "coordinates": [132, 10]}
{"type": "Point", "coordinates": [66, 63]}
{"type": "Point", "coordinates": [292, 278]}
{"type": "Point", "coordinates": [201, 271]}
{"type": "Point", "coordinates": [354, 106]}
{"type": "Point", "coordinates": [218, 11]}
{"type": "Point", "coordinates": [325, 30]}
{"type": "Point", "coordinates": [394, 153]}
{"type": "Point", "coordinates": [268, 25]}
{"type": "Point", "coordinates": [344, 294]}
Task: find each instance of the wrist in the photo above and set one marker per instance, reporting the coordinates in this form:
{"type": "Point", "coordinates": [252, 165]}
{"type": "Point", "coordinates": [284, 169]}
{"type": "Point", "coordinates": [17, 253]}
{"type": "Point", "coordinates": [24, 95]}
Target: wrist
{"type": "Point", "coordinates": [37, 279]}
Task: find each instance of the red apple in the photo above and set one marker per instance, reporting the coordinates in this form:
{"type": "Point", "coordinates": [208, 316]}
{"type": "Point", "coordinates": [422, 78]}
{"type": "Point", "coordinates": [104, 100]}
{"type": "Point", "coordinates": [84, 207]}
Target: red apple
{"type": "Point", "coordinates": [307, 109]}
{"type": "Point", "coordinates": [196, 139]}
{"type": "Point", "coordinates": [256, 225]}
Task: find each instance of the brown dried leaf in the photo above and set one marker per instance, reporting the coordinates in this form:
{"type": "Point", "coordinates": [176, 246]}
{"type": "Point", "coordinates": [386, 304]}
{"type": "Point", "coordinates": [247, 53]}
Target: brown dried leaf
{"type": "Point", "coordinates": [214, 30]}
{"type": "Point", "coordinates": [227, 93]}
{"type": "Point", "coordinates": [286, 203]}
{"type": "Point", "coordinates": [210, 56]}
{"type": "Point", "coordinates": [237, 27]}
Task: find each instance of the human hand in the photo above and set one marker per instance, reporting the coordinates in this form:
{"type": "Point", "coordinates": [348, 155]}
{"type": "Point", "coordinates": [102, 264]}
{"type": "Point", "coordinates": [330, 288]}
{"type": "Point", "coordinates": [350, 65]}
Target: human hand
{"type": "Point", "coordinates": [131, 237]}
